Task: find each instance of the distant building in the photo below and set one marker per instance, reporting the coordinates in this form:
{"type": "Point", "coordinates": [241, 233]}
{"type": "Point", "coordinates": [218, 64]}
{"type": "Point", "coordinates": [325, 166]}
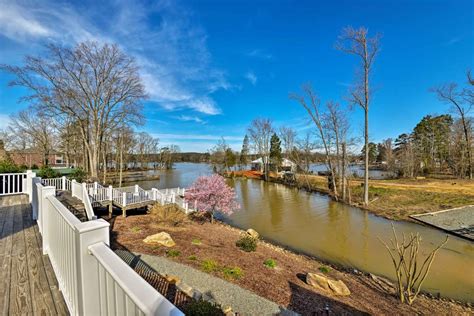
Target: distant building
{"type": "Point", "coordinates": [30, 157]}
{"type": "Point", "coordinates": [286, 165]}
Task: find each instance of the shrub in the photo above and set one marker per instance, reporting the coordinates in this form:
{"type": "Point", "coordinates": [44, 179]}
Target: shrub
{"type": "Point", "coordinates": [209, 265]}
{"type": "Point", "coordinates": [135, 229]}
{"type": "Point", "coordinates": [8, 166]}
{"type": "Point", "coordinates": [46, 172]}
{"type": "Point", "coordinates": [203, 308]}
{"type": "Point", "coordinates": [324, 269]}
{"type": "Point", "coordinates": [34, 167]}
{"type": "Point", "coordinates": [196, 242]}
{"type": "Point", "coordinates": [270, 263]}
{"type": "Point", "coordinates": [173, 253]}
{"type": "Point", "coordinates": [247, 243]}
{"type": "Point", "coordinates": [78, 174]}
{"type": "Point", "coordinates": [169, 214]}
{"type": "Point", "coordinates": [192, 257]}
{"type": "Point", "coordinates": [232, 273]}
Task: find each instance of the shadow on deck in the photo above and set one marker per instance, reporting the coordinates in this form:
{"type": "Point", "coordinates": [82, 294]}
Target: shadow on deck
{"type": "Point", "coordinates": [28, 285]}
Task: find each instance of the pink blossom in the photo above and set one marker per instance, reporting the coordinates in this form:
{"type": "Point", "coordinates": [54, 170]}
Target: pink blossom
{"type": "Point", "coordinates": [210, 194]}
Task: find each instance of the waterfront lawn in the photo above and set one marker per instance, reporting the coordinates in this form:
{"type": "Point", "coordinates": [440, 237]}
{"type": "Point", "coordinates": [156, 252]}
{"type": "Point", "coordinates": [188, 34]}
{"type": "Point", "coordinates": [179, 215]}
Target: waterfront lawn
{"type": "Point", "coordinates": [400, 198]}
{"type": "Point", "coordinates": [212, 248]}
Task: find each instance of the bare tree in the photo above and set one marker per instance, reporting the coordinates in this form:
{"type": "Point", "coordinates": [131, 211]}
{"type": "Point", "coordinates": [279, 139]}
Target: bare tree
{"type": "Point", "coordinates": [95, 85]}
{"type": "Point", "coordinates": [260, 132]}
{"type": "Point", "coordinates": [406, 261]}
{"type": "Point", "coordinates": [313, 107]}
{"type": "Point", "coordinates": [357, 42]}
{"type": "Point", "coordinates": [35, 129]}
{"type": "Point", "coordinates": [288, 138]}
{"type": "Point", "coordinates": [462, 103]}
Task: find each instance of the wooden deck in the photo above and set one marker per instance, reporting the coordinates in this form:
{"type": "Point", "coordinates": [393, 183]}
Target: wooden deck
{"type": "Point", "coordinates": [28, 285]}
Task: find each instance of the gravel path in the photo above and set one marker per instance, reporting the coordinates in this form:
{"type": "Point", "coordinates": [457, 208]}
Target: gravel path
{"type": "Point", "coordinates": [223, 292]}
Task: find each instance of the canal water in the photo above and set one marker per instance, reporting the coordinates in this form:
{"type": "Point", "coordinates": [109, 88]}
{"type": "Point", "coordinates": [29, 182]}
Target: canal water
{"type": "Point", "coordinates": [314, 224]}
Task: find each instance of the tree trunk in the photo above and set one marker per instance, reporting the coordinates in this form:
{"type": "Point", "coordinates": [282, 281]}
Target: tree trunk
{"type": "Point", "coordinates": [343, 171]}
{"type": "Point", "coordinates": [468, 145]}
{"type": "Point", "coordinates": [366, 167]}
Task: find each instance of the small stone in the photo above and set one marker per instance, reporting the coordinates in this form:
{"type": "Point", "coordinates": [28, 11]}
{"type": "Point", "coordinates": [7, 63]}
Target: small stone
{"type": "Point", "coordinates": [322, 282]}
{"type": "Point", "coordinates": [172, 279]}
{"type": "Point", "coordinates": [339, 288]}
{"type": "Point", "coordinates": [253, 233]}
{"type": "Point", "coordinates": [160, 238]}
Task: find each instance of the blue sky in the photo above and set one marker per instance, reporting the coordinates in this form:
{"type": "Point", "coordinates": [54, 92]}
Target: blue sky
{"type": "Point", "coordinates": [210, 67]}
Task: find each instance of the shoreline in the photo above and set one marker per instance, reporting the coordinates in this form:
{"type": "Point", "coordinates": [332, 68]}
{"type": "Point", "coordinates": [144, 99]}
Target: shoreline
{"type": "Point", "coordinates": [221, 236]}
{"type": "Point", "coordinates": [393, 199]}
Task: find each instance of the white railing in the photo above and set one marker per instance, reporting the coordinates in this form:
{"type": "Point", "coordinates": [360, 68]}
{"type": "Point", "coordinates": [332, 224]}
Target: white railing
{"type": "Point", "coordinates": [128, 288]}
{"type": "Point", "coordinates": [13, 183]}
{"type": "Point", "coordinates": [93, 280]}
{"type": "Point", "coordinates": [87, 203]}
{"type": "Point", "coordinates": [53, 182]}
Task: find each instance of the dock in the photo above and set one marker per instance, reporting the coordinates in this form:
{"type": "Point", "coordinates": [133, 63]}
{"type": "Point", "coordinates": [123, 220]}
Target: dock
{"type": "Point", "coordinates": [457, 221]}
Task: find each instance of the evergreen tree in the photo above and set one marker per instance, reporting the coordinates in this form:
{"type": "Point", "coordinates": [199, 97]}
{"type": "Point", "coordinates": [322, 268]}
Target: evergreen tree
{"type": "Point", "coordinates": [275, 150]}
{"type": "Point", "coordinates": [244, 153]}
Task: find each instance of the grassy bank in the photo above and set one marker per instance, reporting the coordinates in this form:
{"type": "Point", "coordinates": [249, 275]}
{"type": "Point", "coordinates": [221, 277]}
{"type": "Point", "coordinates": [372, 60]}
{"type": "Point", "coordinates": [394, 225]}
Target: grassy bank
{"type": "Point", "coordinates": [400, 198]}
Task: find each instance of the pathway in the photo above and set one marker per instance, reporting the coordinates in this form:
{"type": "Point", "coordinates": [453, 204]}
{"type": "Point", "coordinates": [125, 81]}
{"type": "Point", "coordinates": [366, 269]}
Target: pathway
{"type": "Point", "coordinates": [223, 292]}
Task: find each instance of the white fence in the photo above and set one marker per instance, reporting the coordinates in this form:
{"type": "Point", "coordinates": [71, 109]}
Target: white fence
{"type": "Point", "coordinates": [93, 280]}
{"type": "Point", "coordinates": [12, 183]}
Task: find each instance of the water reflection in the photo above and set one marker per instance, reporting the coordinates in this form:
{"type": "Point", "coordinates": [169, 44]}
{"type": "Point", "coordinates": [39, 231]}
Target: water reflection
{"type": "Point", "coordinates": [316, 225]}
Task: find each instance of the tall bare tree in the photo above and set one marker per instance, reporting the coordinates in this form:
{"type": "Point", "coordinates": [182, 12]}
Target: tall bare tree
{"type": "Point", "coordinates": [462, 102]}
{"type": "Point", "coordinates": [260, 132]}
{"type": "Point", "coordinates": [97, 86]}
{"type": "Point", "coordinates": [288, 138]}
{"type": "Point", "coordinates": [357, 42]}
{"type": "Point", "coordinates": [312, 104]}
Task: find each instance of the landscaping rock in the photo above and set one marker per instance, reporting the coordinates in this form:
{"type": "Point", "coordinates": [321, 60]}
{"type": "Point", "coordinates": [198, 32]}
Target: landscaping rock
{"type": "Point", "coordinates": [160, 238]}
{"type": "Point", "coordinates": [253, 233]}
{"type": "Point", "coordinates": [339, 288]}
{"type": "Point", "coordinates": [322, 282]}
{"type": "Point", "coordinates": [172, 279]}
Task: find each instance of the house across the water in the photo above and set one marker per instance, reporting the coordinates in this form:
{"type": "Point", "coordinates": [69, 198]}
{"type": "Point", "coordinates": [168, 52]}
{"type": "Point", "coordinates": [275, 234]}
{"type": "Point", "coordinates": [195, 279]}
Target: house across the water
{"type": "Point", "coordinates": [286, 165]}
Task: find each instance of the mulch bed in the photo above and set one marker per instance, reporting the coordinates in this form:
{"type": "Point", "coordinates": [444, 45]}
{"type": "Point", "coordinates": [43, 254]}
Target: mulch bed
{"type": "Point", "coordinates": [284, 284]}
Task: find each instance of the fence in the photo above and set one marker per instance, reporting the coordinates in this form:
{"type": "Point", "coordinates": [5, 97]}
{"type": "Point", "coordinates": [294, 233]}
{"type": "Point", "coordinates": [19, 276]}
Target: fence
{"type": "Point", "coordinates": [93, 280]}
{"type": "Point", "coordinates": [12, 183]}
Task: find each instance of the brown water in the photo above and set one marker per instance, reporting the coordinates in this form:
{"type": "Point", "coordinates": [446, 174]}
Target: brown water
{"type": "Point", "coordinates": [334, 232]}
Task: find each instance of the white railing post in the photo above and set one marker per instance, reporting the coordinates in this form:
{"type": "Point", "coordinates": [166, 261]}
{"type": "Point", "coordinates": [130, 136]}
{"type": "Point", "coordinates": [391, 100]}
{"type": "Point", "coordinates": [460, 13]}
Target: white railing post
{"type": "Point", "coordinates": [111, 193]}
{"type": "Point", "coordinates": [124, 198]}
{"type": "Point", "coordinates": [95, 187]}
{"type": "Point", "coordinates": [84, 191]}
{"type": "Point", "coordinates": [45, 214]}
{"type": "Point", "coordinates": [34, 197]}
{"type": "Point", "coordinates": [63, 183]}
{"type": "Point", "coordinates": [136, 188]}
{"type": "Point", "coordinates": [28, 189]}
{"type": "Point", "coordinates": [162, 199]}
{"type": "Point", "coordinates": [173, 198]}
{"type": "Point", "coordinates": [87, 234]}
{"type": "Point", "coordinates": [73, 187]}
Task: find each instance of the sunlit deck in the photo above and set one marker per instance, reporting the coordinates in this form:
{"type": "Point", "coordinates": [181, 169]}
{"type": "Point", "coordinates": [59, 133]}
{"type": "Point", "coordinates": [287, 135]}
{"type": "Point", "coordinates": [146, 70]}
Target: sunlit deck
{"type": "Point", "coordinates": [28, 284]}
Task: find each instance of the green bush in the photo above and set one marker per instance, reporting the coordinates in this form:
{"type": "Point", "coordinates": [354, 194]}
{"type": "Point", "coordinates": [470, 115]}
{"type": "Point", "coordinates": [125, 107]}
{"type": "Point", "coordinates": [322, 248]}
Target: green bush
{"type": "Point", "coordinates": [192, 257]}
{"type": "Point", "coordinates": [8, 166]}
{"type": "Point", "coordinates": [203, 308]}
{"type": "Point", "coordinates": [173, 253]}
{"type": "Point", "coordinates": [46, 172]}
{"type": "Point", "coordinates": [209, 265]}
{"type": "Point", "coordinates": [324, 269]}
{"type": "Point", "coordinates": [78, 174]}
{"type": "Point", "coordinates": [34, 167]}
{"type": "Point", "coordinates": [270, 263]}
{"type": "Point", "coordinates": [247, 243]}
{"type": "Point", "coordinates": [196, 242]}
{"type": "Point", "coordinates": [232, 273]}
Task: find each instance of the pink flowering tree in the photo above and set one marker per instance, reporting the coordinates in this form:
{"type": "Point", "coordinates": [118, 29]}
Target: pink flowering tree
{"type": "Point", "coordinates": [211, 194]}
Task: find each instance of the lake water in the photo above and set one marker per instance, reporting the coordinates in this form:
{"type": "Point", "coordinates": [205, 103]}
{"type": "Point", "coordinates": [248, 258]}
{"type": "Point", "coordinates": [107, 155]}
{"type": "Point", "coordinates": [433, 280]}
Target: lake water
{"type": "Point", "coordinates": [314, 224]}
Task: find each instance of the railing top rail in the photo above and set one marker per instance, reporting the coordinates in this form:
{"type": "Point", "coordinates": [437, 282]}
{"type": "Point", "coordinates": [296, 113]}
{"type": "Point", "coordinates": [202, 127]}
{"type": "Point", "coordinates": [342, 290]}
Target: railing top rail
{"type": "Point", "coordinates": [145, 297]}
{"type": "Point", "coordinates": [70, 218]}
{"type": "Point", "coordinates": [10, 174]}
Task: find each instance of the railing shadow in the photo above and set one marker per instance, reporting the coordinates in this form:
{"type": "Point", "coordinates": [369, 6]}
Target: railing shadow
{"type": "Point", "coordinates": [15, 218]}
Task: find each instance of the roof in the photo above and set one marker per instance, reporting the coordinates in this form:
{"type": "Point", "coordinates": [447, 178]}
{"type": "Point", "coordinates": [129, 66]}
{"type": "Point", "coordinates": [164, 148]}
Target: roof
{"type": "Point", "coordinates": [284, 162]}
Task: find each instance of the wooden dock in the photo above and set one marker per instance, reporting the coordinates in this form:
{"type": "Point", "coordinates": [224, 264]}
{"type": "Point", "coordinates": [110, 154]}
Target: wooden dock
{"type": "Point", "coordinates": [28, 285]}
{"type": "Point", "coordinates": [457, 221]}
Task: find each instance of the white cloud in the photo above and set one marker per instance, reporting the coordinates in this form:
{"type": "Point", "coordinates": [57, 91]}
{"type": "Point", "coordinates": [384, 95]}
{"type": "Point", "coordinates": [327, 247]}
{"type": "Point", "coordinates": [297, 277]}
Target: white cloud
{"type": "Point", "coordinates": [187, 118]}
{"type": "Point", "coordinates": [250, 76]}
{"type": "Point", "coordinates": [260, 54]}
{"type": "Point", "coordinates": [189, 137]}
{"type": "Point", "coordinates": [170, 48]}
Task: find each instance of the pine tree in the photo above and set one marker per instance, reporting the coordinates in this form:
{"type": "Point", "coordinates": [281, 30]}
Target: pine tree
{"type": "Point", "coordinates": [244, 152]}
{"type": "Point", "coordinates": [275, 150]}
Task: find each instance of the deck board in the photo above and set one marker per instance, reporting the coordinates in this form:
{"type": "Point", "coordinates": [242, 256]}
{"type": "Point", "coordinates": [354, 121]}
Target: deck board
{"type": "Point", "coordinates": [27, 284]}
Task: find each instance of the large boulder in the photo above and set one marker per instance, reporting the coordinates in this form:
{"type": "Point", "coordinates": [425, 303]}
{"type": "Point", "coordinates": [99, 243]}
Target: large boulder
{"type": "Point", "coordinates": [324, 283]}
{"type": "Point", "coordinates": [162, 238]}
{"type": "Point", "coordinates": [253, 233]}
